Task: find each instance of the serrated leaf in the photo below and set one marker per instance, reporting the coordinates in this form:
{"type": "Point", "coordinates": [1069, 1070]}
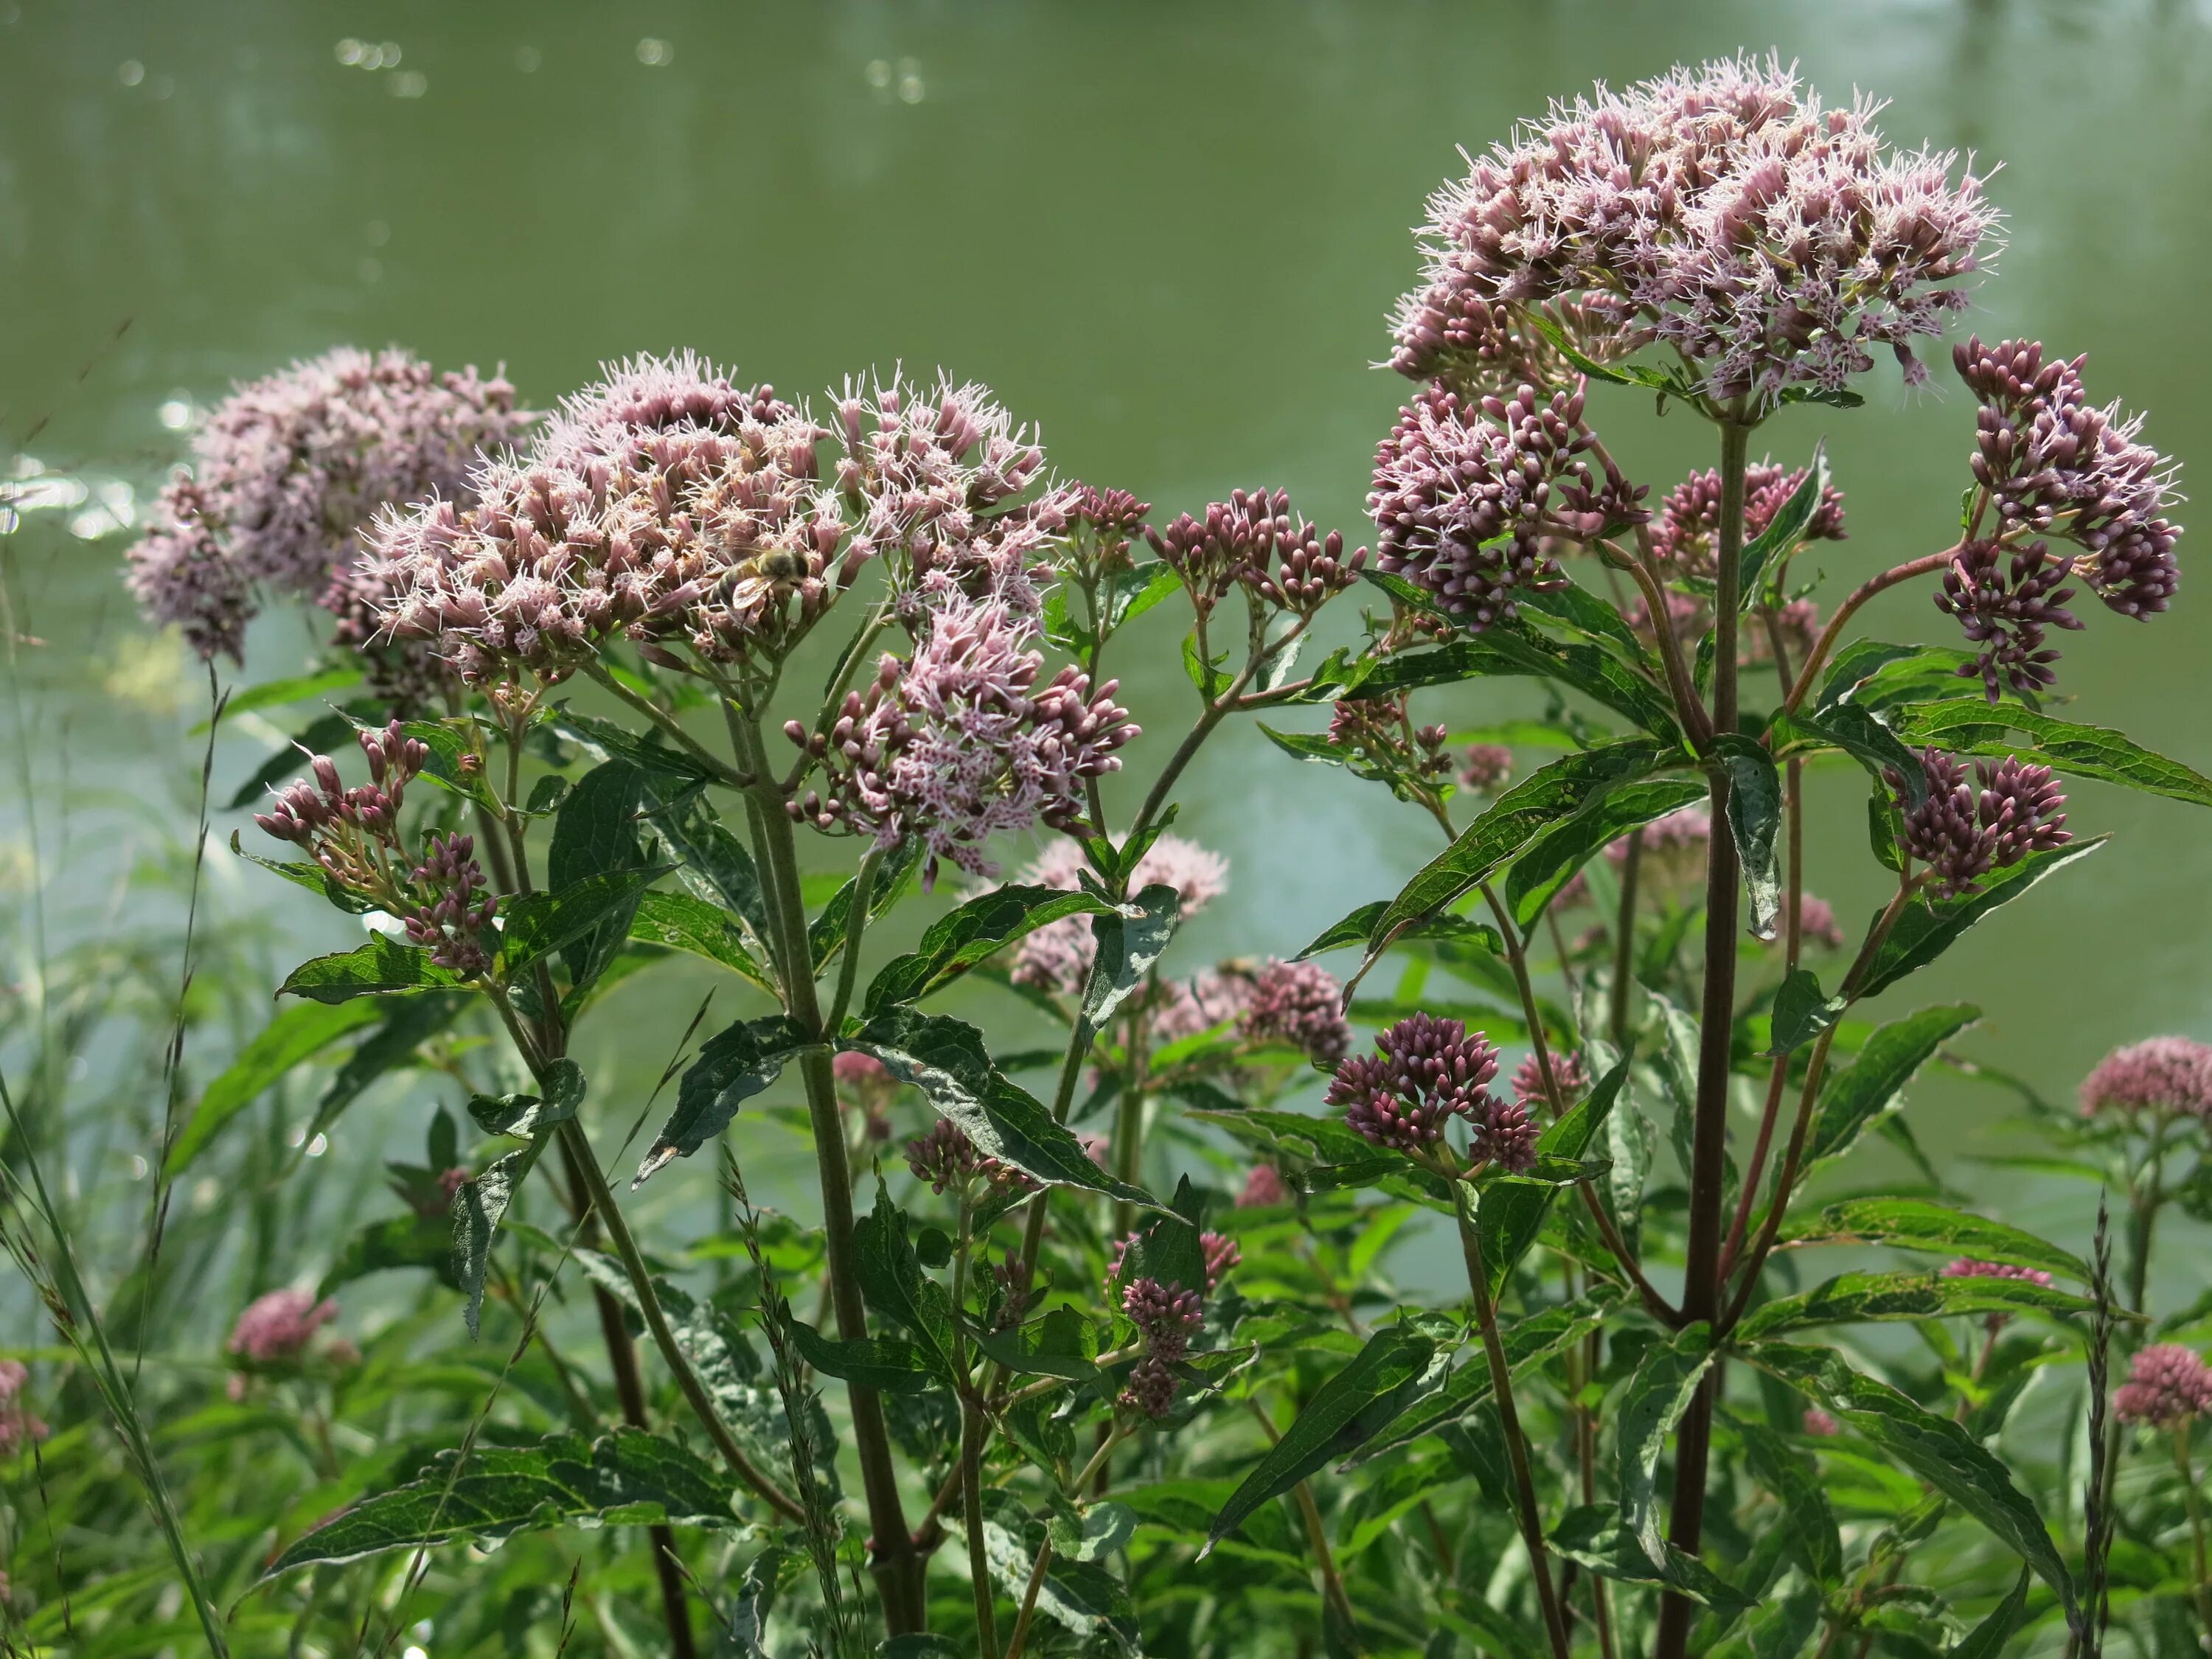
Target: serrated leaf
{"type": "Point", "coordinates": [629, 1477]}
{"type": "Point", "coordinates": [1786, 1470]}
{"type": "Point", "coordinates": [1355, 929]}
{"type": "Point", "coordinates": [1598, 1535]}
{"type": "Point", "coordinates": [1063, 1344]}
{"type": "Point", "coordinates": [1972, 726]}
{"type": "Point", "coordinates": [1989, 1639]}
{"type": "Point", "coordinates": [826, 934]}
{"type": "Point", "coordinates": [1860, 734]}
{"type": "Point", "coordinates": [1754, 816]}
{"type": "Point", "coordinates": [1549, 862]}
{"type": "Point", "coordinates": [716, 866]}
{"type": "Point", "coordinates": [609, 740]}
{"type": "Point", "coordinates": [595, 834]}
{"type": "Point", "coordinates": [682, 922]}
{"type": "Point", "coordinates": [528, 1115]}
{"type": "Point", "coordinates": [292, 1038]}
{"type": "Point", "coordinates": [1925, 930]}
{"type": "Point", "coordinates": [1850, 1297]}
{"type": "Point", "coordinates": [480, 1203]}
{"type": "Point", "coordinates": [1081, 1596]}
{"type": "Point", "coordinates": [1398, 1363]}
{"type": "Point", "coordinates": [1913, 1224]}
{"type": "Point", "coordinates": [1801, 1012]}
{"type": "Point", "coordinates": [1512, 651]}
{"type": "Point", "coordinates": [733, 1066]}
{"type": "Point", "coordinates": [1652, 1402]}
{"type": "Point", "coordinates": [1129, 945]}
{"type": "Point", "coordinates": [895, 1286]}
{"type": "Point", "coordinates": [381, 966]}
{"type": "Point", "coordinates": [1513, 1209]}
{"type": "Point", "coordinates": [538, 924]}
{"type": "Point", "coordinates": [887, 1363]}
{"type": "Point", "coordinates": [399, 1241]}
{"type": "Point", "coordinates": [975, 931]}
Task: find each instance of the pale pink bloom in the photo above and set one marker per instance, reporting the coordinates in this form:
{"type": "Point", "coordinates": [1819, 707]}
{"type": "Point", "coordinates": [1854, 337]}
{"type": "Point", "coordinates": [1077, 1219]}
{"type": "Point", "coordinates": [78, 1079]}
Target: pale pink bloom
{"type": "Point", "coordinates": [2167, 1384]}
{"type": "Point", "coordinates": [280, 1324]}
{"type": "Point", "coordinates": [2164, 1073]}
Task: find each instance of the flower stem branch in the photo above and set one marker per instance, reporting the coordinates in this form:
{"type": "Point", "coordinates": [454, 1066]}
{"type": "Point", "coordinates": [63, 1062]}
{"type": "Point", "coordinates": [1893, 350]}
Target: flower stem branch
{"type": "Point", "coordinates": [668, 723]}
{"type": "Point", "coordinates": [1016, 1642]}
{"type": "Point", "coordinates": [1858, 596]}
{"type": "Point", "coordinates": [1332, 1580]}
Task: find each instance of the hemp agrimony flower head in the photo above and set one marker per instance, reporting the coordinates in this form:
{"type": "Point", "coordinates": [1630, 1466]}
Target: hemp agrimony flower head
{"type": "Point", "coordinates": [1102, 526]}
{"type": "Point", "coordinates": [944, 1157]}
{"type": "Point", "coordinates": [18, 1426]}
{"type": "Point", "coordinates": [957, 742]}
{"type": "Point", "coordinates": [1723, 211]}
{"type": "Point", "coordinates": [1426, 1071]}
{"type": "Point", "coordinates": [1961, 837]}
{"type": "Point", "coordinates": [1485, 768]}
{"type": "Point", "coordinates": [1686, 531]}
{"type": "Point", "coordinates": [1301, 1004]}
{"type": "Point", "coordinates": [2168, 1385]}
{"type": "Point", "coordinates": [1057, 956]}
{"type": "Point", "coordinates": [286, 472]}
{"type": "Point", "coordinates": [2162, 1074]}
{"type": "Point", "coordinates": [1264, 1188]}
{"type": "Point", "coordinates": [279, 1326]}
{"type": "Point", "coordinates": [1253, 542]}
{"type": "Point", "coordinates": [1567, 1070]}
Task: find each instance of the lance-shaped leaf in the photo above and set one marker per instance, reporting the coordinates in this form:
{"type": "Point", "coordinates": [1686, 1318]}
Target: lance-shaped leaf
{"type": "Point", "coordinates": [1399, 1363]}
{"type": "Point", "coordinates": [895, 1286]}
{"type": "Point", "coordinates": [1754, 815]}
{"type": "Point", "coordinates": [1599, 1536]}
{"type": "Point", "coordinates": [946, 1059]}
{"type": "Point", "coordinates": [1063, 1344]}
{"type": "Point", "coordinates": [1555, 792]}
{"type": "Point", "coordinates": [479, 1206]}
{"type": "Point", "coordinates": [538, 924]}
{"type": "Point", "coordinates": [716, 866]}
{"type": "Point", "coordinates": [1355, 929]}
{"type": "Point", "coordinates": [313, 876]}
{"type": "Point", "coordinates": [1577, 608]}
{"type": "Point", "coordinates": [1935, 1448]}
{"type": "Point", "coordinates": [888, 1363]}
{"type": "Point", "coordinates": [733, 1066]}
{"type": "Point", "coordinates": [1972, 726]}
{"type": "Point", "coordinates": [1652, 1403]}
{"type": "Point", "coordinates": [378, 968]}
{"type": "Point", "coordinates": [608, 739]}
{"type": "Point", "coordinates": [1128, 946]}
{"type": "Point", "coordinates": [1513, 1208]}
{"type": "Point", "coordinates": [1853, 1098]}
{"type": "Point", "coordinates": [1785, 530]}
{"type": "Point", "coordinates": [979, 928]}
{"type": "Point", "coordinates": [1850, 1297]}
{"type": "Point", "coordinates": [1549, 862]}
{"type": "Point", "coordinates": [595, 834]}
{"type": "Point", "coordinates": [629, 1477]}
{"type": "Point", "coordinates": [1801, 1012]}
{"type": "Point", "coordinates": [1169, 1246]}
{"type": "Point", "coordinates": [293, 1037]}
{"type": "Point", "coordinates": [530, 1115]}
{"type": "Point", "coordinates": [1789, 1473]}
{"type": "Point", "coordinates": [1989, 1638]}
{"type": "Point", "coordinates": [1925, 930]}
{"type": "Point", "coordinates": [826, 934]}
{"type": "Point", "coordinates": [1860, 734]}
{"type": "Point", "coordinates": [398, 1241]}
{"type": "Point", "coordinates": [1914, 1224]}
{"type": "Point", "coordinates": [681, 922]}
{"type": "Point", "coordinates": [1878, 676]}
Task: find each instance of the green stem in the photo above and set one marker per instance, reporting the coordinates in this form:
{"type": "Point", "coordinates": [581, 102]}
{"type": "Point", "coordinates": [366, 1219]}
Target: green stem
{"type": "Point", "coordinates": [1624, 943]}
{"type": "Point", "coordinates": [2201, 1589]}
{"type": "Point", "coordinates": [1021, 1636]}
{"type": "Point", "coordinates": [856, 924]}
{"type": "Point", "coordinates": [669, 724]}
{"type": "Point", "coordinates": [972, 1430]}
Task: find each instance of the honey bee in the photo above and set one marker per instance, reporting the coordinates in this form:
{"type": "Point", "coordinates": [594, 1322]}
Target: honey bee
{"type": "Point", "coordinates": [750, 584]}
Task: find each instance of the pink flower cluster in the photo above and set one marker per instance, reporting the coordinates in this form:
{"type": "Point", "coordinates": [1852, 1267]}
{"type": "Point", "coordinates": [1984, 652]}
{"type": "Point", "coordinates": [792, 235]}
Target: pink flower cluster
{"type": "Point", "coordinates": [1968, 1267]}
{"type": "Point", "coordinates": [1723, 210]}
{"type": "Point", "coordinates": [1253, 541]}
{"type": "Point", "coordinates": [1425, 1072]}
{"type": "Point", "coordinates": [944, 1157]}
{"type": "Point", "coordinates": [1961, 837]}
{"type": "Point", "coordinates": [290, 468]}
{"type": "Point", "coordinates": [1264, 1186]}
{"type": "Point", "coordinates": [279, 1326]}
{"type": "Point", "coordinates": [1165, 1315]}
{"type": "Point", "coordinates": [957, 742]}
{"type": "Point", "coordinates": [2168, 1385]}
{"type": "Point", "coordinates": [1485, 768]}
{"type": "Point", "coordinates": [1057, 956]}
{"type": "Point", "coordinates": [18, 1427]}
{"type": "Point", "coordinates": [1300, 1003]}
{"type": "Point", "coordinates": [1567, 1071]}
{"type": "Point", "coordinates": [2162, 1074]}
{"type": "Point", "coordinates": [1686, 529]}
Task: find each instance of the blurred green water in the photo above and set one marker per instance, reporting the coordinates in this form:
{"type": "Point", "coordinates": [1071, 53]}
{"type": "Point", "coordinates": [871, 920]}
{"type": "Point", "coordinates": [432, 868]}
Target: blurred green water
{"type": "Point", "coordinates": [1168, 234]}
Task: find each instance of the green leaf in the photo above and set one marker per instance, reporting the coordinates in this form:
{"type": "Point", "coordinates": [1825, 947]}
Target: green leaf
{"type": "Point", "coordinates": [1926, 929]}
{"type": "Point", "coordinates": [1861, 735]}
{"type": "Point", "coordinates": [1356, 928]}
{"type": "Point", "coordinates": [479, 1206]}
{"type": "Point", "coordinates": [1141, 589]}
{"type": "Point", "coordinates": [1972, 726]}
{"type": "Point", "coordinates": [1550, 861]}
{"type": "Point", "coordinates": [1211, 679]}
{"type": "Point", "coordinates": [716, 866]}
{"type": "Point", "coordinates": [538, 924]}
{"type": "Point", "coordinates": [1801, 1012]}
{"type": "Point", "coordinates": [826, 934]}
{"type": "Point", "coordinates": [958, 940]}
{"type": "Point", "coordinates": [313, 876]}
{"type": "Point", "coordinates": [1989, 1639]}
{"type": "Point", "coordinates": [629, 1477]}
{"type": "Point", "coordinates": [1080, 1596]}
{"type": "Point", "coordinates": [946, 1059]}
{"type": "Point", "coordinates": [1652, 1402]}
{"type": "Point", "coordinates": [895, 1286]}
{"type": "Point", "coordinates": [885, 1362]}
{"type": "Point", "coordinates": [1513, 1208]}
{"type": "Point", "coordinates": [1598, 1535]}
{"type": "Point", "coordinates": [1854, 1098]}
{"type": "Point", "coordinates": [595, 834]}
{"type": "Point", "coordinates": [1570, 785]}
{"type": "Point", "coordinates": [1579, 609]}
{"type": "Point", "coordinates": [399, 1241]}
{"type": "Point", "coordinates": [1127, 947]}
{"type": "Point", "coordinates": [1913, 1224]}
{"type": "Point", "coordinates": [379, 967]}
{"type": "Point", "coordinates": [275, 694]}
{"type": "Point", "coordinates": [528, 1116]}
{"type": "Point", "coordinates": [1850, 1298]}
{"type": "Point", "coordinates": [1754, 815]}
{"type": "Point", "coordinates": [1935, 1448]}
{"type": "Point", "coordinates": [733, 1066]}
{"type": "Point", "coordinates": [681, 922]}
{"type": "Point", "coordinates": [293, 1037]}
{"type": "Point", "coordinates": [1169, 1247]}
{"type": "Point", "coordinates": [1399, 1363]}
{"type": "Point", "coordinates": [1512, 650]}
{"type": "Point", "coordinates": [1783, 529]}
{"type": "Point", "coordinates": [1637, 374]}
{"type": "Point", "coordinates": [1100, 1531]}
{"type": "Point", "coordinates": [1789, 1472]}
{"type": "Point", "coordinates": [1306, 746]}
{"type": "Point", "coordinates": [1878, 677]}
{"type": "Point", "coordinates": [409, 1022]}
{"type": "Point", "coordinates": [1063, 1344]}
{"type": "Point", "coordinates": [609, 740]}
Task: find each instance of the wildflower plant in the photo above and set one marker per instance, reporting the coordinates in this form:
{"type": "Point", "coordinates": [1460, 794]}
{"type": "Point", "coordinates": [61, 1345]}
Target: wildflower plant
{"type": "Point", "coordinates": [1110, 1320]}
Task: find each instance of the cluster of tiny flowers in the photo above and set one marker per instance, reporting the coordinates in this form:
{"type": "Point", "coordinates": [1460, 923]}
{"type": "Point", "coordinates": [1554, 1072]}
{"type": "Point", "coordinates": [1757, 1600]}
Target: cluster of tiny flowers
{"type": "Point", "coordinates": [1818, 1422]}
{"type": "Point", "coordinates": [454, 923]}
{"type": "Point", "coordinates": [1425, 1071]}
{"type": "Point", "coordinates": [1300, 1003]}
{"type": "Point", "coordinates": [1567, 1071]}
{"type": "Point", "coordinates": [1102, 526]}
{"type": "Point", "coordinates": [2004, 607]}
{"type": "Point", "coordinates": [1723, 210]}
{"type": "Point", "coordinates": [1817, 923]}
{"type": "Point", "coordinates": [1165, 1315]}
{"type": "Point", "coordinates": [2168, 1385]}
{"type": "Point", "coordinates": [868, 1081]}
{"type": "Point", "coordinates": [290, 469]}
{"type": "Point", "coordinates": [1264, 1186]}
{"type": "Point", "coordinates": [1205, 1001]}
{"type": "Point", "coordinates": [2162, 1074]}
{"type": "Point", "coordinates": [1383, 742]}
{"type": "Point", "coordinates": [944, 1157]}
{"type": "Point", "coordinates": [1686, 531]}
{"type": "Point", "coordinates": [2052, 463]}
{"type": "Point", "coordinates": [1962, 838]}
{"type": "Point", "coordinates": [1254, 542]}
{"type": "Point", "coordinates": [1057, 956]}
{"type": "Point", "coordinates": [279, 1326]}
{"type": "Point", "coordinates": [1485, 768]}
{"type": "Point", "coordinates": [18, 1427]}
{"type": "Point", "coordinates": [958, 742]}
{"type": "Point", "coordinates": [1466, 497]}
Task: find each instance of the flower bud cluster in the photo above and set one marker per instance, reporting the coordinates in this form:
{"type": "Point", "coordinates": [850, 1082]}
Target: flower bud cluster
{"type": "Point", "coordinates": [453, 921]}
{"type": "Point", "coordinates": [1721, 209]}
{"type": "Point", "coordinates": [279, 1326]}
{"type": "Point", "coordinates": [1102, 526]}
{"type": "Point", "coordinates": [2054, 464]}
{"type": "Point", "coordinates": [1382, 741]}
{"type": "Point", "coordinates": [1685, 531]}
{"type": "Point", "coordinates": [957, 742]}
{"type": "Point", "coordinates": [1426, 1071]}
{"type": "Point", "coordinates": [1165, 1315]}
{"type": "Point", "coordinates": [944, 1157]}
{"type": "Point", "coordinates": [1567, 1071]}
{"type": "Point", "coordinates": [1485, 768]}
{"type": "Point", "coordinates": [18, 1426]}
{"type": "Point", "coordinates": [2161, 1074]}
{"type": "Point", "coordinates": [1253, 542]}
{"type": "Point", "coordinates": [1968, 1267]}
{"type": "Point", "coordinates": [1962, 838]}
{"type": "Point", "coordinates": [1057, 956]}
{"type": "Point", "coordinates": [287, 470]}
{"type": "Point", "coordinates": [1264, 1186]}
{"type": "Point", "coordinates": [2005, 611]}
{"type": "Point", "coordinates": [1467, 496]}
{"type": "Point", "coordinates": [2168, 1386]}
{"type": "Point", "coordinates": [1300, 1003]}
